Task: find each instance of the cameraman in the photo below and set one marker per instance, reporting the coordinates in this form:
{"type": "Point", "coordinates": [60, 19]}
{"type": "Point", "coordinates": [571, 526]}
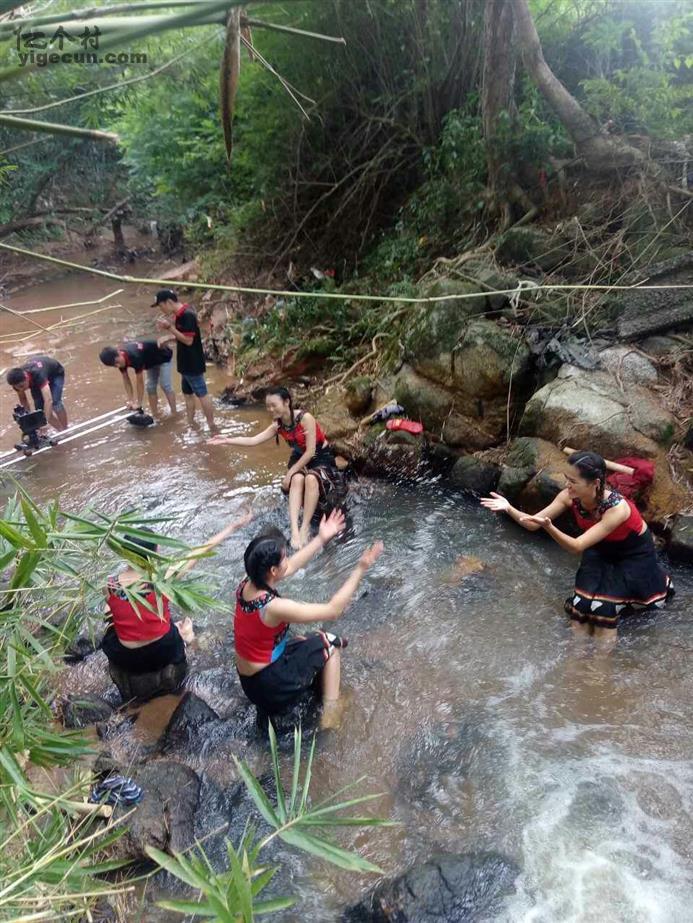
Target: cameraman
{"type": "Point", "coordinates": [44, 377]}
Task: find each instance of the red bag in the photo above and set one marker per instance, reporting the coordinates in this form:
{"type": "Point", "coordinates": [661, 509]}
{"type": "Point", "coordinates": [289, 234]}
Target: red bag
{"type": "Point", "coordinates": [632, 485]}
{"type": "Point", "coordinates": [409, 426]}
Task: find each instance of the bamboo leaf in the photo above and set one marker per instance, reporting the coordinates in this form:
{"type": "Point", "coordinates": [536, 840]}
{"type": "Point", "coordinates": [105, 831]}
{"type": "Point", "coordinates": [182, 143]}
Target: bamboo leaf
{"type": "Point", "coordinates": [281, 803]}
{"type": "Point", "coordinates": [257, 794]}
{"type": "Point", "coordinates": [323, 849]}
{"type": "Point", "coordinates": [278, 903]}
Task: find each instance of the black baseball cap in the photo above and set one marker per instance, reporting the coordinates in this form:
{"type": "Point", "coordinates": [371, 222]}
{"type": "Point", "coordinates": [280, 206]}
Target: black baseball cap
{"type": "Point", "coordinates": [164, 295]}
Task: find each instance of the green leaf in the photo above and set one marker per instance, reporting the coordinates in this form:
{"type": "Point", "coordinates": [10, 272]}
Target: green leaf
{"type": "Point", "coordinates": [279, 903]}
{"type": "Point", "coordinates": [342, 858]}
{"type": "Point", "coordinates": [281, 803]}
{"type": "Point", "coordinates": [257, 794]}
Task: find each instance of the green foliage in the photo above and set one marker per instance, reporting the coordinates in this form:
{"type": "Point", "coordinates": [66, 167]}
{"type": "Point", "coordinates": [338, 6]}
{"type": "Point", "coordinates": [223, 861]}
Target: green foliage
{"type": "Point", "coordinates": [234, 894]}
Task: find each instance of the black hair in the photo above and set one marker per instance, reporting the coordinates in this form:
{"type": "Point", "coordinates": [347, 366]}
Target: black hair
{"type": "Point", "coordinates": [15, 376]}
{"type": "Point", "coordinates": [108, 355]}
{"type": "Point", "coordinates": [265, 551]}
{"type": "Point", "coordinates": [592, 467]}
{"type": "Point", "coordinates": [142, 547]}
{"type": "Point", "coordinates": [285, 395]}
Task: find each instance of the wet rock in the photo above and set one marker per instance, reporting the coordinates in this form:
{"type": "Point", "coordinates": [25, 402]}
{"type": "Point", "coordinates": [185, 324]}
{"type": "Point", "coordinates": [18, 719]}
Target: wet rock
{"type": "Point", "coordinates": [475, 475]}
{"type": "Point", "coordinates": [188, 727]}
{"type": "Point", "coordinates": [80, 711]}
{"type": "Point", "coordinates": [513, 479]}
{"type": "Point", "coordinates": [595, 801]}
{"type": "Point", "coordinates": [165, 818]}
{"type": "Point", "coordinates": [628, 365]}
{"type": "Point", "coordinates": [446, 889]}
{"type": "Point", "coordinates": [358, 395]}
{"type": "Point", "coordinates": [333, 415]}
{"type": "Point", "coordinates": [80, 649]}
{"type": "Point", "coordinates": [140, 687]}
{"type": "Point", "coordinates": [681, 539]}
{"type": "Point", "coordinates": [588, 409]}
{"type": "Point", "coordinates": [548, 465]}
{"type": "Point", "coordinates": [384, 452]}
{"type": "Point", "coordinates": [466, 565]}
{"type": "Point", "coordinates": [220, 689]}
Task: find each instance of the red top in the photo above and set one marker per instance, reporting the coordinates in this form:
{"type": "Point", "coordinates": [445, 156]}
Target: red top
{"type": "Point", "coordinates": [296, 435]}
{"type": "Point", "coordinates": [632, 525]}
{"type": "Point", "coordinates": [136, 623]}
{"type": "Point", "coordinates": [255, 641]}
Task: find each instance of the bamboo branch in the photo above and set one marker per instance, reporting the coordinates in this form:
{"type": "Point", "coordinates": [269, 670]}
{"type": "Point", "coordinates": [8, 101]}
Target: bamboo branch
{"type": "Point", "coordinates": [29, 22]}
{"type": "Point", "coordinates": [4, 307]}
{"type": "Point", "coordinates": [261, 24]}
{"type": "Point", "coordinates": [55, 129]}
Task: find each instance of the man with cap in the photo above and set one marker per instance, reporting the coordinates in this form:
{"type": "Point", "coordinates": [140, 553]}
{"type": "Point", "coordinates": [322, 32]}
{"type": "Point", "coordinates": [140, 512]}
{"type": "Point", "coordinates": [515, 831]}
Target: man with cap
{"type": "Point", "coordinates": [180, 322]}
{"type": "Point", "coordinates": [143, 356]}
{"type": "Point", "coordinates": [44, 378]}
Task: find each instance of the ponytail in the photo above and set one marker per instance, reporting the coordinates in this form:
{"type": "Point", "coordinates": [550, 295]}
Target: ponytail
{"type": "Point", "coordinates": [264, 552]}
{"type": "Point", "coordinates": [592, 467]}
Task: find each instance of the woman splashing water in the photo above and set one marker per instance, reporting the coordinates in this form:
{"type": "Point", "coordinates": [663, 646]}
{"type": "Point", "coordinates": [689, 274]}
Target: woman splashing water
{"type": "Point", "coordinates": [312, 467]}
{"type": "Point", "coordinates": [619, 570]}
{"type": "Point", "coordinates": [275, 670]}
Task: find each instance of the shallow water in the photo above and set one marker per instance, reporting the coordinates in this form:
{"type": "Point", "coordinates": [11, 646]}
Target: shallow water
{"type": "Point", "coordinates": [484, 722]}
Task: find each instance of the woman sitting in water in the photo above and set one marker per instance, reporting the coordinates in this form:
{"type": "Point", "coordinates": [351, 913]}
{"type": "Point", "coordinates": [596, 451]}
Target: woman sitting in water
{"type": "Point", "coordinates": [275, 670]}
{"type": "Point", "coordinates": [140, 640]}
{"type": "Point", "coordinates": [619, 570]}
{"type": "Point", "coordinates": [312, 468]}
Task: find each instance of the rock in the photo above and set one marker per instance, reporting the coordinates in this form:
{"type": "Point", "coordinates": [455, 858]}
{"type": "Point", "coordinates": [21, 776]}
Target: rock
{"type": "Point", "coordinates": [548, 466]}
{"type": "Point", "coordinates": [165, 817]}
{"type": "Point", "coordinates": [664, 497]}
{"type": "Point", "coordinates": [187, 272]}
{"type": "Point", "coordinates": [491, 278]}
{"type": "Point", "coordinates": [661, 346]}
{"type": "Point", "coordinates": [435, 407]}
{"type": "Point", "coordinates": [446, 889]}
{"type": "Point", "coordinates": [628, 365]}
{"type": "Point", "coordinates": [80, 649]}
{"type": "Point", "coordinates": [466, 565]}
{"type": "Point", "coordinates": [333, 415]}
{"type": "Point", "coordinates": [681, 539]}
{"type": "Point", "coordinates": [651, 311]}
{"type": "Point", "coordinates": [533, 246]}
{"type": "Point", "coordinates": [80, 711]}
{"type": "Point", "coordinates": [512, 480]}
{"type": "Point", "coordinates": [587, 409]}
{"type": "Point", "coordinates": [475, 475]}
{"type": "Point", "coordinates": [187, 728]}
{"type": "Point", "coordinates": [141, 687]}
{"type": "Point", "coordinates": [358, 395]}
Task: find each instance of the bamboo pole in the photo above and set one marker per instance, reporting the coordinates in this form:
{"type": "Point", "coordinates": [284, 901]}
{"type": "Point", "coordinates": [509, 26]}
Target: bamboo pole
{"type": "Point", "coordinates": [74, 304]}
{"type": "Point", "coordinates": [23, 335]}
{"type": "Point", "coordinates": [55, 129]}
{"type": "Point", "coordinates": [4, 307]}
{"type": "Point", "coordinates": [21, 457]}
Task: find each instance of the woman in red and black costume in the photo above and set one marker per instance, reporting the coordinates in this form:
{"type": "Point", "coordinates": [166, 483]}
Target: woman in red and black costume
{"type": "Point", "coordinates": [312, 468]}
{"type": "Point", "coordinates": [619, 571]}
{"type": "Point", "coordinates": [274, 669]}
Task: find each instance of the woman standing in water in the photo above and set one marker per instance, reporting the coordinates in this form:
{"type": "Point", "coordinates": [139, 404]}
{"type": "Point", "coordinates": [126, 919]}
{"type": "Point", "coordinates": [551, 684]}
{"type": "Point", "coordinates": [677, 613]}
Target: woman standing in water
{"type": "Point", "coordinates": [619, 570]}
{"type": "Point", "coordinates": [276, 671]}
{"type": "Point", "coordinates": [312, 467]}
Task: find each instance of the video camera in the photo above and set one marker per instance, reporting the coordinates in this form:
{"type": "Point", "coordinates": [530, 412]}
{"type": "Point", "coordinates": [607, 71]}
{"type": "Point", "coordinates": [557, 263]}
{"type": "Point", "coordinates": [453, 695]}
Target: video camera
{"type": "Point", "coordinates": [31, 422]}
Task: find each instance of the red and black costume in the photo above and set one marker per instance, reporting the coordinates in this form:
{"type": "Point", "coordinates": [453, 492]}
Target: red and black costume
{"type": "Point", "coordinates": [293, 664]}
{"type": "Point", "coordinates": [131, 621]}
{"type": "Point", "coordinates": [333, 488]}
{"type": "Point", "coordinates": [618, 574]}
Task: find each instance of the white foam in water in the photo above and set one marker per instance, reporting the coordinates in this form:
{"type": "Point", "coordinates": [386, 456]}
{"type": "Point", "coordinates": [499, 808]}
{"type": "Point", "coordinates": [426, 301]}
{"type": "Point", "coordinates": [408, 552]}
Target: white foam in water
{"type": "Point", "coordinates": [590, 853]}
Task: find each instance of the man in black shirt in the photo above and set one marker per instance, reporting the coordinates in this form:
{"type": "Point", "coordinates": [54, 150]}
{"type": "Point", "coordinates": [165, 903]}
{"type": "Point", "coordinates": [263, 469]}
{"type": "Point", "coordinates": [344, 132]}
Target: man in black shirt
{"type": "Point", "coordinates": [44, 377]}
{"type": "Point", "coordinates": [143, 356]}
{"type": "Point", "coordinates": [181, 323]}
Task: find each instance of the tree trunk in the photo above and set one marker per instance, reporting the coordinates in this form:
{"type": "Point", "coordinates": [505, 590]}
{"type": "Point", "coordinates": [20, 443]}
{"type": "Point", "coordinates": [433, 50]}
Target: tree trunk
{"type": "Point", "coordinates": [228, 76]}
{"type": "Point", "coordinates": [118, 239]}
{"type": "Point", "coordinates": [497, 104]}
{"type": "Point", "coordinates": [601, 152]}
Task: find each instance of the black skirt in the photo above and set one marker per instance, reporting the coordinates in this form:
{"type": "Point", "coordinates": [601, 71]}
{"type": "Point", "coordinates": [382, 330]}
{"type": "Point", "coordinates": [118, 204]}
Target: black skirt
{"type": "Point", "coordinates": [153, 656]}
{"type": "Point", "coordinates": [616, 578]}
{"type": "Point", "coordinates": [332, 482]}
{"type": "Point", "coordinates": [279, 685]}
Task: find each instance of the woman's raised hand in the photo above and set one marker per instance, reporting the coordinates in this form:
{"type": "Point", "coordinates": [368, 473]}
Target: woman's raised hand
{"type": "Point", "coordinates": [496, 502]}
{"type": "Point", "coordinates": [331, 525]}
{"type": "Point", "coordinates": [371, 555]}
{"type": "Point", "coordinates": [542, 521]}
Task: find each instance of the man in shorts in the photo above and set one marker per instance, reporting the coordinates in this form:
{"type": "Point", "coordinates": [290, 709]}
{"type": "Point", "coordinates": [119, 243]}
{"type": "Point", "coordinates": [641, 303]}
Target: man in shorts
{"type": "Point", "coordinates": [180, 322]}
{"type": "Point", "coordinates": [143, 356]}
{"type": "Point", "coordinates": [44, 378]}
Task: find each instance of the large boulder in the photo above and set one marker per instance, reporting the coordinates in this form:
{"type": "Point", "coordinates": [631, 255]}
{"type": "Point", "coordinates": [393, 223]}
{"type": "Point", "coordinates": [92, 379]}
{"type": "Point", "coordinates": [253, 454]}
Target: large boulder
{"type": "Point", "coordinates": [628, 365]}
{"type": "Point", "coordinates": [81, 711]}
{"type": "Point", "coordinates": [588, 409]}
{"type": "Point", "coordinates": [165, 817]}
{"type": "Point", "coordinates": [533, 246]}
{"type": "Point", "coordinates": [475, 475]}
{"type": "Point", "coordinates": [446, 889]}
{"type": "Point", "coordinates": [548, 465]}
{"type": "Point", "coordinates": [358, 394]}
{"type": "Point", "coordinates": [333, 415]}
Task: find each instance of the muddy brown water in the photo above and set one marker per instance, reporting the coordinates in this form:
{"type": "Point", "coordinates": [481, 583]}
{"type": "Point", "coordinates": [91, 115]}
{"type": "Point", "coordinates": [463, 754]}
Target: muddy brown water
{"type": "Point", "coordinates": [482, 720]}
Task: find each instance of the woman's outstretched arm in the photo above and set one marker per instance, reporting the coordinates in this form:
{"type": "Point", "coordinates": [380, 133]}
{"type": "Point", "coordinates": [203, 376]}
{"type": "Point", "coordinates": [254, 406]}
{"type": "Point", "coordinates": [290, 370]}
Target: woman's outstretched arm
{"type": "Point", "coordinates": [258, 439]}
{"type": "Point", "coordinates": [611, 520]}
{"type": "Point", "coordinates": [499, 504]}
{"type": "Point", "coordinates": [329, 527]}
{"type": "Point", "coordinates": [287, 610]}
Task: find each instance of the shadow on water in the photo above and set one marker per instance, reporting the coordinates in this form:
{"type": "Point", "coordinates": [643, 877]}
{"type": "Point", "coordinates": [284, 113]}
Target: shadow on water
{"type": "Point", "coordinates": [486, 725]}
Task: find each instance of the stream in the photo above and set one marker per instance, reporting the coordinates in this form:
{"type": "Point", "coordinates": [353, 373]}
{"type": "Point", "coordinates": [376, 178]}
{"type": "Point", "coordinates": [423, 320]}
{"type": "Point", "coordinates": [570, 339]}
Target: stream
{"type": "Point", "coordinates": [484, 722]}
